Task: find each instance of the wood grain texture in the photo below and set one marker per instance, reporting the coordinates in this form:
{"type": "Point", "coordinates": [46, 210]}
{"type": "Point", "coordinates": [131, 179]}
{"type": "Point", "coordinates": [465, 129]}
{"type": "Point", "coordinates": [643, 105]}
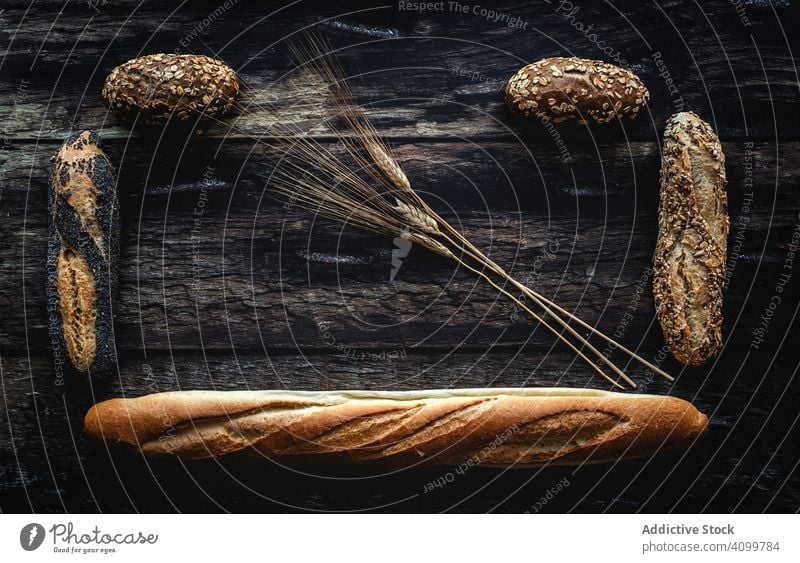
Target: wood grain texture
{"type": "Point", "coordinates": [717, 475]}
{"type": "Point", "coordinates": [253, 272]}
{"type": "Point", "coordinates": [225, 289]}
{"type": "Point", "coordinates": [420, 82]}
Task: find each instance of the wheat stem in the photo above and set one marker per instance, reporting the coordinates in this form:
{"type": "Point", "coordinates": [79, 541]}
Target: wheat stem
{"type": "Point", "coordinates": [593, 330]}
{"type": "Point", "coordinates": [484, 261]}
{"type": "Point", "coordinates": [541, 321]}
{"type": "Point", "coordinates": [543, 301]}
{"type": "Point", "coordinates": [316, 179]}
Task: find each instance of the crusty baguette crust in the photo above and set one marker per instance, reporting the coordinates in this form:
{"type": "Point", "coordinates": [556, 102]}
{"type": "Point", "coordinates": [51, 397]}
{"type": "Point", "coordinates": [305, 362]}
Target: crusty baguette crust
{"type": "Point", "coordinates": [505, 427]}
{"type": "Point", "coordinates": [689, 263]}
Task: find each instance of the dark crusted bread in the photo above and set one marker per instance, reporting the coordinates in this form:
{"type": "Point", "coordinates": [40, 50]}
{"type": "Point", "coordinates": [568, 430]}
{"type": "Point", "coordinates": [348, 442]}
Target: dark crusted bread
{"type": "Point", "coordinates": [156, 88]}
{"type": "Point", "coordinates": [689, 263]}
{"type": "Point", "coordinates": [505, 427]}
{"type": "Point", "coordinates": [83, 247]}
{"type": "Point", "coordinates": [568, 88]}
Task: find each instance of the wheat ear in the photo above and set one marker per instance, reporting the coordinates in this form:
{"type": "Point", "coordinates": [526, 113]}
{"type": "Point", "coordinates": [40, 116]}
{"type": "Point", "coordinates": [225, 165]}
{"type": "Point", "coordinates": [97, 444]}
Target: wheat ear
{"type": "Point", "coordinates": [389, 205]}
{"type": "Point", "coordinates": [388, 165]}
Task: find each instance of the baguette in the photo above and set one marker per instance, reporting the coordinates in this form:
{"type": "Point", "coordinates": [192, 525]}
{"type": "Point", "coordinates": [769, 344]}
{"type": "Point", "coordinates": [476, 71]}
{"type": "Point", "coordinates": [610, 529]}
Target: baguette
{"type": "Point", "coordinates": [689, 263]}
{"type": "Point", "coordinates": [82, 253]}
{"type": "Point", "coordinates": [498, 427]}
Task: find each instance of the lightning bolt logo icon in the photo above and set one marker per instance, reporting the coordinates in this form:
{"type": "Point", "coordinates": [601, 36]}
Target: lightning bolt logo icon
{"type": "Point", "coordinates": [31, 536]}
{"type": "Point", "coordinates": [402, 247]}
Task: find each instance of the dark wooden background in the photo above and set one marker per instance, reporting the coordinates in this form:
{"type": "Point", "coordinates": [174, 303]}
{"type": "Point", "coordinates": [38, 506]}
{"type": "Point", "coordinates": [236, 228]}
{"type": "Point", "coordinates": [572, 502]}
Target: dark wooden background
{"type": "Point", "coordinates": [224, 289]}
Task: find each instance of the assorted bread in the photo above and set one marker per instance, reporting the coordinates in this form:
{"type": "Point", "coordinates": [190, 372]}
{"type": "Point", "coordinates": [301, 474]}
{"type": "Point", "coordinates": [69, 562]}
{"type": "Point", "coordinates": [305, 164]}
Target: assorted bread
{"type": "Point", "coordinates": [505, 427]}
{"type": "Point", "coordinates": [690, 257]}
{"type": "Point", "coordinates": [493, 426]}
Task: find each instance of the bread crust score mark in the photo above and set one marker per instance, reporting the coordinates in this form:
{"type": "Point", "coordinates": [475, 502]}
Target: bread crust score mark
{"type": "Point", "coordinates": [503, 427]}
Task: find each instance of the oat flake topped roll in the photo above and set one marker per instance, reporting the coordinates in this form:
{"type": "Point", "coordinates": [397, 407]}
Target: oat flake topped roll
{"type": "Point", "coordinates": [163, 86]}
{"type": "Point", "coordinates": [568, 88]}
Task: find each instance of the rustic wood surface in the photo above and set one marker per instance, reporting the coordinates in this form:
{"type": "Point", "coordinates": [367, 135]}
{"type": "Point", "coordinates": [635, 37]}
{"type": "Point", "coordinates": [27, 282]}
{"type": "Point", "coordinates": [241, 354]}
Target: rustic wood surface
{"type": "Point", "coordinates": [223, 288]}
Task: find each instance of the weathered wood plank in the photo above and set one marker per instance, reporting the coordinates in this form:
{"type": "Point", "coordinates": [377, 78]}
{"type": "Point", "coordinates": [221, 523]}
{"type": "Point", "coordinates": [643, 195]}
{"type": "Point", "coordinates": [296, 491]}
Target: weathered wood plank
{"type": "Point", "coordinates": [422, 82]}
{"type": "Point", "coordinates": [251, 296]}
{"type": "Point", "coordinates": [286, 295]}
{"type": "Point", "coordinates": [255, 281]}
{"type": "Point", "coordinates": [458, 175]}
{"type": "Point", "coordinates": [214, 269]}
{"type": "Point", "coordinates": [45, 422]}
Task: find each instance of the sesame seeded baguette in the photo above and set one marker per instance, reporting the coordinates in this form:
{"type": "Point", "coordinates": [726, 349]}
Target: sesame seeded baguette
{"type": "Point", "coordinates": [689, 262]}
{"type": "Point", "coordinates": [499, 427]}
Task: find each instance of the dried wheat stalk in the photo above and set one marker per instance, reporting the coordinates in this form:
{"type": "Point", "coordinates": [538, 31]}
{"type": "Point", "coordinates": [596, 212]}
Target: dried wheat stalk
{"type": "Point", "coordinates": [382, 200]}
